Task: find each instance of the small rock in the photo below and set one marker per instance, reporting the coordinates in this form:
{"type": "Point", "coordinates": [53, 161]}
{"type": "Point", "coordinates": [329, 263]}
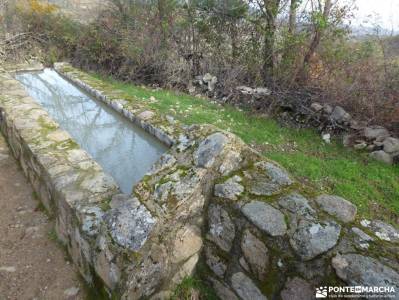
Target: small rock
{"type": "Point", "coordinates": [184, 142]}
{"type": "Point", "coordinates": [230, 163]}
{"type": "Point", "coordinates": [365, 223]}
{"type": "Point", "coordinates": [356, 125]}
{"type": "Point", "coordinates": [280, 263]}
{"type": "Point", "coordinates": [262, 91]}
{"type": "Point", "coordinates": [146, 115]}
{"type": "Point", "coordinates": [245, 288]}
{"type": "Point", "coordinates": [362, 235]}
{"type": "Point", "coordinates": [347, 140]}
{"type": "Point", "coordinates": [192, 90]}
{"type": "Point", "coordinates": [327, 109]}
{"type": "Point", "coordinates": [209, 149]}
{"type": "Point", "coordinates": [276, 174]}
{"type": "Point", "coordinates": [326, 137]}
{"type": "Point", "coordinates": [187, 243]}
{"type": "Point", "coordinates": [263, 187]}
{"type": "Point", "coordinates": [265, 217]}
{"type": "Point", "coordinates": [382, 156]}
{"type": "Point", "coordinates": [360, 146]}
{"type": "Point", "coordinates": [230, 189]}
{"type": "Point", "coordinates": [312, 239]}
{"type": "Point", "coordinates": [245, 90]}
{"type": "Point", "coordinates": [391, 145]}
{"type": "Point", "coordinates": [8, 269]}
{"type": "Point", "coordinates": [186, 270]}
{"type": "Point", "coordinates": [297, 204]}
{"type": "Point", "coordinates": [315, 106]}
{"type": "Point", "coordinates": [297, 289]}
{"type": "Point", "coordinates": [357, 270]}
{"type": "Point", "coordinates": [336, 206]}
{"type": "Point", "coordinates": [382, 230]}
{"type": "Point", "coordinates": [268, 180]}
{"type": "Point", "coordinates": [130, 224]}
{"type": "Point", "coordinates": [221, 227]}
{"type": "Point", "coordinates": [339, 115]}
{"type": "Point", "coordinates": [212, 84]}
{"type": "Point", "coordinates": [31, 231]}
{"type": "Point", "coordinates": [244, 264]}
{"type": "Point", "coordinates": [256, 254]}
{"type": "Point", "coordinates": [71, 292]}
{"type": "Point", "coordinates": [375, 132]}
{"type": "Point", "coordinates": [361, 238]}
{"type": "Point", "coordinates": [222, 291]}
{"type": "Point", "coordinates": [170, 119]}
{"type": "Point", "coordinates": [312, 270]}
{"type": "Point", "coordinates": [207, 77]}
{"type": "Point", "coordinates": [215, 263]}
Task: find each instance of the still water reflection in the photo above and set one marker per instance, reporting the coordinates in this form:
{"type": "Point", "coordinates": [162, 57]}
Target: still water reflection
{"type": "Point", "coordinates": [123, 150]}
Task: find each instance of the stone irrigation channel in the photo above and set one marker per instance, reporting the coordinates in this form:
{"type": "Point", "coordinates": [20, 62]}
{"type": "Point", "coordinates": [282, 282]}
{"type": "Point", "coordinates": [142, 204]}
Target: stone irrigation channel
{"type": "Point", "coordinates": [210, 205]}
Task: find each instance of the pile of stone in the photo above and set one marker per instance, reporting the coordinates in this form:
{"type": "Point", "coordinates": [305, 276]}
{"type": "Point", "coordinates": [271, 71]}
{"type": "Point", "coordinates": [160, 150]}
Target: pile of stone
{"type": "Point", "coordinates": [328, 119]}
{"type": "Point", "coordinates": [204, 84]}
{"type": "Point", "coordinates": [375, 139]}
{"type": "Point", "coordinates": [256, 92]}
{"type": "Point", "coordinates": [378, 141]}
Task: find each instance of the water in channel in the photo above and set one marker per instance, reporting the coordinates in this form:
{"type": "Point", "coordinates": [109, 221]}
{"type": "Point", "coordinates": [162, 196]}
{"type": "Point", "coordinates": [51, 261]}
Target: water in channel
{"type": "Point", "coordinates": [124, 150]}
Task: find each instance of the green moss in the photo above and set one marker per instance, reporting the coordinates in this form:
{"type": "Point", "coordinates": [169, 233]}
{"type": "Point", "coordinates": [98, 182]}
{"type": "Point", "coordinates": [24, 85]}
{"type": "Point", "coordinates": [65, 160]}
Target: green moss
{"type": "Point", "coordinates": [46, 126]}
{"type": "Point", "coordinates": [67, 145]}
{"type": "Point", "coordinates": [193, 288]}
{"type": "Point", "coordinates": [52, 235]}
{"type": "Point", "coordinates": [97, 290]}
{"type": "Point", "coordinates": [105, 206]}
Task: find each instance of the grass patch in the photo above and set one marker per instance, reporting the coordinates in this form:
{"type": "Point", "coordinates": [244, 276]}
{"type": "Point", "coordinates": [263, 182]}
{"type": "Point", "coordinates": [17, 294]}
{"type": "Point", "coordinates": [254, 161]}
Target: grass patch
{"type": "Point", "coordinates": [193, 288]}
{"type": "Point", "coordinates": [52, 235]}
{"type": "Point", "coordinates": [326, 168]}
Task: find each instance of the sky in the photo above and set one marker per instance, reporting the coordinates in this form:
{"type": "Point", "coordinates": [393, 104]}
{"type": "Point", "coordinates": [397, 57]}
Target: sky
{"type": "Point", "coordinates": [385, 13]}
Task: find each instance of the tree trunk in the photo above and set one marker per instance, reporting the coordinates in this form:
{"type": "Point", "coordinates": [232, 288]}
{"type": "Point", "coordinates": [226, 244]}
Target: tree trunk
{"type": "Point", "coordinates": [233, 37]}
{"type": "Point", "coordinates": [271, 8]}
{"type": "Point", "coordinates": [292, 17]}
{"type": "Point", "coordinates": [318, 32]}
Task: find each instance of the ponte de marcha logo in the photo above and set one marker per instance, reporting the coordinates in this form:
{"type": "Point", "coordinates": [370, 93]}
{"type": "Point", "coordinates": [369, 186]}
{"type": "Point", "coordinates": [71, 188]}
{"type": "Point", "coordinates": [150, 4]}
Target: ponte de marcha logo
{"type": "Point", "coordinates": [321, 292]}
{"type": "Point", "coordinates": [355, 291]}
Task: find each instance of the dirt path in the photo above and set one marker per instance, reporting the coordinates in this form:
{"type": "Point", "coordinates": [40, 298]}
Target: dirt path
{"type": "Point", "coordinates": [32, 264]}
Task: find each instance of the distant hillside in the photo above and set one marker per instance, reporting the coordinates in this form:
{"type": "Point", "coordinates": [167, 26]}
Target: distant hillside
{"type": "Point", "coordinates": [82, 10]}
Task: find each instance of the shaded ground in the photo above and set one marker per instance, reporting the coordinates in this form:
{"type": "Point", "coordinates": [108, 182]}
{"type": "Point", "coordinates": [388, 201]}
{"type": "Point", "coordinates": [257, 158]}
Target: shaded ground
{"type": "Point", "coordinates": [32, 264]}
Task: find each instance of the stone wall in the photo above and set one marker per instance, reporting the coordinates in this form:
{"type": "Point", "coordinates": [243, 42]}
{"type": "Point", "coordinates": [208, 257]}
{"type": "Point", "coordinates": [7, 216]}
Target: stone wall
{"type": "Point", "coordinates": [210, 201]}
